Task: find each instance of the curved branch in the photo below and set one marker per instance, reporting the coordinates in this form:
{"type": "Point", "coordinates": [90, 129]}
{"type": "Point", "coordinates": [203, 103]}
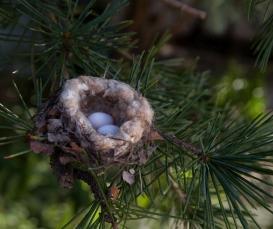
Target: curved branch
{"type": "Point", "coordinates": [186, 8]}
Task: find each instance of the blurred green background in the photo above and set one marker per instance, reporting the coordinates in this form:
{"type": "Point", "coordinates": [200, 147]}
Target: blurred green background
{"type": "Point", "coordinates": [30, 196]}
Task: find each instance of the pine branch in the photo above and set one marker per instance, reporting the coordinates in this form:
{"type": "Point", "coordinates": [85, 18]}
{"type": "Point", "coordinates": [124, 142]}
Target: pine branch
{"type": "Point", "coordinates": [181, 143]}
{"type": "Point", "coordinates": [186, 8]}
{"type": "Point", "coordinates": [263, 43]}
{"type": "Point", "coordinates": [94, 186]}
{"type": "Point", "coordinates": [175, 186]}
{"type": "Point", "coordinates": [70, 44]}
{"type": "Point", "coordinates": [67, 173]}
{"type": "Point", "coordinates": [225, 167]}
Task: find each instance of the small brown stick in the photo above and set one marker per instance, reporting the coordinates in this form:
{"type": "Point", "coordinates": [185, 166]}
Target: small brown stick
{"type": "Point", "coordinates": [114, 225]}
{"type": "Point", "coordinates": [183, 144]}
{"type": "Point", "coordinates": [88, 178]}
{"type": "Point", "coordinates": [125, 54]}
{"type": "Point", "coordinates": [186, 8]}
{"type": "Point", "coordinates": [157, 135]}
{"type": "Point", "coordinates": [67, 175]}
{"type": "Point", "coordinates": [175, 186]}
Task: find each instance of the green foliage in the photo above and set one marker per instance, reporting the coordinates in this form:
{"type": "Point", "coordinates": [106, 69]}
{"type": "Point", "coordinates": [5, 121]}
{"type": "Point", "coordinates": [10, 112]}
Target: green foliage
{"type": "Point", "coordinates": [243, 88]}
{"type": "Point", "coordinates": [71, 43]}
{"type": "Point", "coordinates": [263, 44]}
{"type": "Point", "coordinates": [235, 155]}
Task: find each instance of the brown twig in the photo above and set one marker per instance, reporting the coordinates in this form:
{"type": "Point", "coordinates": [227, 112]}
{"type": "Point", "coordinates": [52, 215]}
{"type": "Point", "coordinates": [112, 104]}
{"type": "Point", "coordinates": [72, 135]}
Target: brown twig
{"type": "Point", "coordinates": [183, 144]}
{"type": "Point", "coordinates": [175, 186]}
{"type": "Point", "coordinates": [89, 179]}
{"type": "Point", "coordinates": [157, 135]}
{"type": "Point", "coordinates": [114, 225]}
{"type": "Point", "coordinates": [67, 175]}
{"type": "Point", "coordinates": [186, 8]}
{"type": "Point", "coordinates": [126, 54]}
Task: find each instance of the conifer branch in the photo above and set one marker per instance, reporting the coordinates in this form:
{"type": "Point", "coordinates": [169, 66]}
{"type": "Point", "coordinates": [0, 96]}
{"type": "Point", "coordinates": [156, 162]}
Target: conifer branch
{"type": "Point", "coordinates": [186, 8]}
{"type": "Point", "coordinates": [176, 141]}
{"type": "Point", "coordinates": [222, 168]}
{"type": "Point", "coordinates": [176, 188]}
{"type": "Point", "coordinates": [94, 186]}
{"type": "Point", "coordinates": [182, 196]}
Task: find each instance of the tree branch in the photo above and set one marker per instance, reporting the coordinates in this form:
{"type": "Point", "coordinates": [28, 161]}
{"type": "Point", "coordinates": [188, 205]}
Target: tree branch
{"type": "Point", "coordinates": [89, 179]}
{"type": "Point", "coordinates": [176, 188]}
{"type": "Point", "coordinates": [157, 135]}
{"type": "Point", "coordinates": [68, 174]}
{"type": "Point", "coordinates": [186, 8]}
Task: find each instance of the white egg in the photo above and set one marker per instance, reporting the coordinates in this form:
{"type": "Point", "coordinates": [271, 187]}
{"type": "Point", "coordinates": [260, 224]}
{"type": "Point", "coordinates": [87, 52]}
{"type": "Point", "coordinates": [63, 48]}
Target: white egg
{"type": "Point", "coordinates": [99, 119]}
{"type": "Point", "coordinates": [108, 130]}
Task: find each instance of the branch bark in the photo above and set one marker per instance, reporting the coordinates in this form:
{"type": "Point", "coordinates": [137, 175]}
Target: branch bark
{"type": "Point", "coordinates": [88, 178]}
{"type": "Point", "coordinates": [157, 135]}
{"type": "Point", "coordinates": [67, 175]}
{"type": "Point", "coordinates": [176, 188]}
{"type": "Point", "coordinates": [186, 8]}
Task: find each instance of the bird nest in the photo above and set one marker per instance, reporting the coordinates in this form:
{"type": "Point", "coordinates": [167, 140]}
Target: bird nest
{"type": "Point", "coordinates": [69, 137]}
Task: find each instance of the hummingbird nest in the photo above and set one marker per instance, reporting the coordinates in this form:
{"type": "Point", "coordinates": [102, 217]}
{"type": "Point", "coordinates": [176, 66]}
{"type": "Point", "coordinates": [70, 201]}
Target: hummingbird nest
{"type": "Point", "coordinates": [68, 136]}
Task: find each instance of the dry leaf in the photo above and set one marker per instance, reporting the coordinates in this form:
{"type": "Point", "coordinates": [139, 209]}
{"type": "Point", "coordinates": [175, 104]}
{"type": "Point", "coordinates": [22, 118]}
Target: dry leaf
{"type": "Point", "coordinates": [39, 147]}
{"type": "Point", "coordinates": [114, 192]}
{"type": "Point", "coordinates": [128, 177]}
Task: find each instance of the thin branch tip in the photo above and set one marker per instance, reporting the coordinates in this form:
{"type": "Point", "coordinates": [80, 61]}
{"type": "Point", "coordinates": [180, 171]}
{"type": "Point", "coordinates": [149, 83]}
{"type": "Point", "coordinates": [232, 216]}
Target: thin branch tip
{"type": "Point", "coordinates": [158, 135]}
{"type": "Point", "coordinates": [186, 8]}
